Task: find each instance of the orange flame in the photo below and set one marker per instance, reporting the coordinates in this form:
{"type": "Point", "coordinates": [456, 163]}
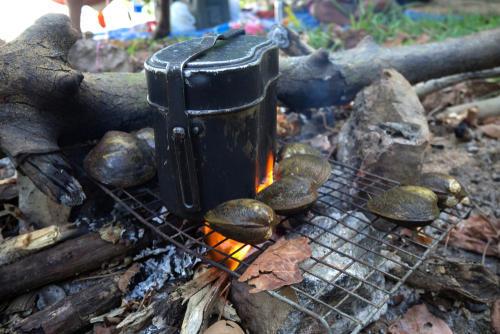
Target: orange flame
{"type": "Point", "coordinates": [269, 177]}
{"type": "Point", "coordinates": [226, 246]}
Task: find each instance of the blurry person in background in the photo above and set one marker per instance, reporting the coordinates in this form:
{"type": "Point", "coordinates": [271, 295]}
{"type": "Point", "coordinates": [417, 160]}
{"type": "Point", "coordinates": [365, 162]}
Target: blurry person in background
{"type": "Point", "coordinates": [75, 10]}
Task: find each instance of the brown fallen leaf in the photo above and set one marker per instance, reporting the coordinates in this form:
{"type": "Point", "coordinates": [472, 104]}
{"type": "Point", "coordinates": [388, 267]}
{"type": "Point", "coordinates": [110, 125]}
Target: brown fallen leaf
{"type": "Point", "coordinates": [419, 320]}
{"type": "Point", "coordinates": [477, 235]}
{"type": "Point", "coordinates": [495, 316]}
{"type": "Point", "coordinates": [124, 280]}
{"type": "Point", "coordinates": [278, 265]}
{"type": "Point", "coordinates": [491, 130]}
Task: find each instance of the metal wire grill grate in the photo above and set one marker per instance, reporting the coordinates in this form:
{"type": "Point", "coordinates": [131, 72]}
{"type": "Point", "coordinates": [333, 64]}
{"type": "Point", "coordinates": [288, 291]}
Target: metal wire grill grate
{"type": "Point", "coordinates": [358, 262]}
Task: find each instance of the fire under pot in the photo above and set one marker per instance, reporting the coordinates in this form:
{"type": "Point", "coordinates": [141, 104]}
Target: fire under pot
{"type": "Point", "coordinates": [215, 125]}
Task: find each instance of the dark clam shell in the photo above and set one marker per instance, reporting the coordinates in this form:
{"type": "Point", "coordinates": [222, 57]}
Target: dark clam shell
{"type": "Point", "coordinates": [406, 205]}
{"type": "Point", "coordinates": [244, 220]}
{"type": "Point", "coordinates": [289, 195]}
{"type": "Point", "coordinates": [316, 169]}
{"type": "Point", "coordinates": [291, 149]}
{"type": "Point", "coordinates": [120, 160]}
{"type": "Point", "coordinates": [447, 188]}
{"type": "Point", "coordinates": [147, 135]}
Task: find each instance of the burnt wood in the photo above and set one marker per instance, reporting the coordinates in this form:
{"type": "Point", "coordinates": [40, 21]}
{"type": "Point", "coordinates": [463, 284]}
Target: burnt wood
{"type": "Point", "coordinates": [65, 260]}
{"type": "Point", "coordinates": [74, 312]}
{"type": "Point", "coordinates": [44, 103]}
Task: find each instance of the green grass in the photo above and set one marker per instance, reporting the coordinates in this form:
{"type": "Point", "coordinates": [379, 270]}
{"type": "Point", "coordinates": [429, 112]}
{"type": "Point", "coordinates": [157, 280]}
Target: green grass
{"type": "Point", "coordinates": [386, 26]}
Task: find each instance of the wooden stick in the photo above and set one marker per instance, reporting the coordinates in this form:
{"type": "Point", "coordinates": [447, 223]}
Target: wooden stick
{"type": "Point", "coordinates": [487, 108]}
{"type": "Point", "coordinates": [14, 248]}
{"type": "Point", "coordinates": [73, 313]}
{"type": "Point", "coordinates": [425, 88]}
{"type": "Point", "coordinates": [67, 259]}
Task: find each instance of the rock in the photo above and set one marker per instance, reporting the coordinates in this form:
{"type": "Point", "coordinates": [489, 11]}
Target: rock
{"type": "Point", "coordinates": [38, 208]}
{"type": "Point", "coordinates": [387, 132]}
{"type": "Point", "coordinates": [88, 55]}
{"type": "Point", "coordinates": [260, 312]}
{"type": "Point", "coordinates": [263, 314]}
{"type": "Point", "coordinates": [48, 295]}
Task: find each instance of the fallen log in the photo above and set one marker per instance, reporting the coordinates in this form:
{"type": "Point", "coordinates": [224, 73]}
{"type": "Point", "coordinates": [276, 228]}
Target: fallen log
{"type": "Point", "coordinates": [14, 248]}
{"type": "Point", "coordinates": [65, 260]}
{"type": "Point", "coordinates": [74, 312]}
{"type": "Point", "coordinates": [45, 103]}
{"type": "Point", "coordinates": [323, 79]}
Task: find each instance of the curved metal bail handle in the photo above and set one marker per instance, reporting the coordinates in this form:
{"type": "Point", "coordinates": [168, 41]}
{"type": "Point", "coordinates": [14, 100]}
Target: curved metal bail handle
{"type": "Point", "coordinates": [179, 131]}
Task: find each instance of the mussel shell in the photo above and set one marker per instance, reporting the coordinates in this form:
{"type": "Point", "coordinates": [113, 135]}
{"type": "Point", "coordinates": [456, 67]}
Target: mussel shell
{"type": "Point", "coordinates": [291, 149]}
{"type": "Point", "coordinates": [316, 169]}
{"type": "Point", "coordinates": [289, 195]}
{"type": "Point", "coordinates": [406, 205]}
{"type": "Point", "coordinates": [245, 220]}
{"type": "Point", "coordinates": [120, 160]}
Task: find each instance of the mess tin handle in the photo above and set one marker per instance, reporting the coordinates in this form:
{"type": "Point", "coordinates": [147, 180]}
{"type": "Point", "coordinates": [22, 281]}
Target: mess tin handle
{"type": "Point", "coordinates": [178, 123]}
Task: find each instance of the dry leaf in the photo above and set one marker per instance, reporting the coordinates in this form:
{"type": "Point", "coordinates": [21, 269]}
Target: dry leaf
{"type": "Point", "coordinates": [124, 280]}
{"type": "Point", "coordinates": [492, 130]}
{"type": "Point", "coordinates": [278, 265]}
{"type": "Point", "coordinates": [111, 233]}
{"type": "Point", "coordinates": [495, 316]}
{"type": "Point", "coordinates": [474, 234]}
{"type": "Point", "coordinates": [418, 319]}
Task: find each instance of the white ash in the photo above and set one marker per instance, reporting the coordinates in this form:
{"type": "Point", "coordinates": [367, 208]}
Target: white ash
{"type": "Point", "coordinates": [148, 252]}
{"type": "Point", "coordinates": [161, 217]}
{"type": "Point", "coordinates": [172, 264]}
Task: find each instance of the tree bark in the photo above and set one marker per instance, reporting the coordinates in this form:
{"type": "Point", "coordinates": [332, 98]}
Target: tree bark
{"type": "Point", "coordinates": [65, 260]}
{"type": "Point", "coordinates": [45, 103]}
{"type": "Point", "coordinates": [16, 247]}
{"type": "Point", "coordinates": [162, 12]}
{"type": "Point", "coordinates": [323, 79]}
{"type": "Point", "coordinates": [74, 312]}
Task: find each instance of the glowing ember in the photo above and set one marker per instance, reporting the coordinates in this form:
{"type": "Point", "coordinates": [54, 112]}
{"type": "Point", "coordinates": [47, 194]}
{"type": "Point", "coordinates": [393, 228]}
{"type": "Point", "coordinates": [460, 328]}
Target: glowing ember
{"type": "Point", "coordinates": [226, 247]}
{"type": "Point", "coordinates": [268, 179]}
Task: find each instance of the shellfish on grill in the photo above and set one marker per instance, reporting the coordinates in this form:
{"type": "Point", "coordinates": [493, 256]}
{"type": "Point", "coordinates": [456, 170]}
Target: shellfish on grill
{"type": "Point", "coordinates": [409, 206]}
{"type": "Point", "coordinates": [147, 135]}
{"type": "Point", "coordinates": [245, 220]}
{"type": "Point", "coordinates": [291, 149]}
{"type": "Point", "coordinates": [315, 168]}
{"type": "Point", "coordinates": [448, 189]}
{"type": "Point", "coordinates": [289, 195]}
{"type": "Point", "coordinates": [120, 159]}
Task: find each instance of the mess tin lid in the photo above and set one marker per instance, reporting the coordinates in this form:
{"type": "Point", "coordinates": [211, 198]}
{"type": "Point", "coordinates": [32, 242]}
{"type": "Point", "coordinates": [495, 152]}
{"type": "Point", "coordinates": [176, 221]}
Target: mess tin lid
{"type": "Point", "coordinates": [233, 74]}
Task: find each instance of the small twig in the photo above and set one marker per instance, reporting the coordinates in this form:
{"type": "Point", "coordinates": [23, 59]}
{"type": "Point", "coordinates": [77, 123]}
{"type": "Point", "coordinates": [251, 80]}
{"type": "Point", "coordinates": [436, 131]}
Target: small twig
{"type": "Point", "coordinates": [325, 123]}
{"type": "Point", "coordinates": [425, 88]}
{"type": "Point", "coordinates": [483, 257]}
{"type": "Point", "coordinates": [99, 276]}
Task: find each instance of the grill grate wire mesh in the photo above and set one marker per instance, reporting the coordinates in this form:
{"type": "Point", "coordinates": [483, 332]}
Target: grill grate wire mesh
{"type": "Point", "coordinates": [367, 244]}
